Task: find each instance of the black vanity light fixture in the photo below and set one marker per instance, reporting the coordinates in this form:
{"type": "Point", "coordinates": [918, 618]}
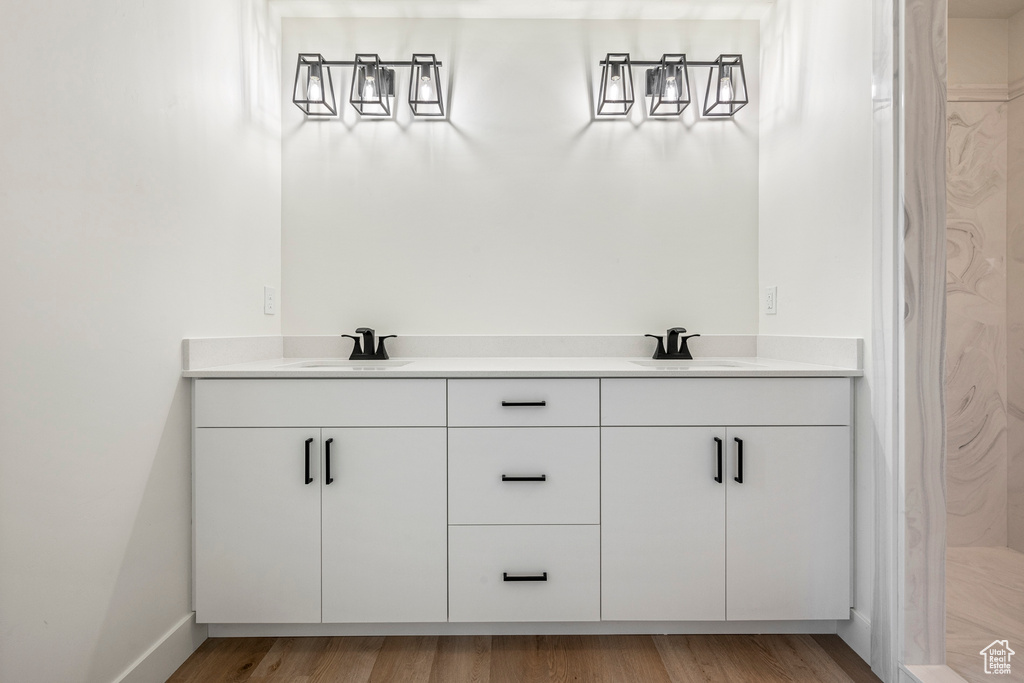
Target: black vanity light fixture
{"type": "Point", "coordinates": [668, 85]}
{"type": "Point", "coordinates": [616, 96]}
{"type": "Point", "coordinates": [373, 85]}
{"type": "Point", "coordinates": [425, 86]}
{"type": "Point", "coordinates": [314, 91]}
{"type": "Point", "coordinates": [727, 87]}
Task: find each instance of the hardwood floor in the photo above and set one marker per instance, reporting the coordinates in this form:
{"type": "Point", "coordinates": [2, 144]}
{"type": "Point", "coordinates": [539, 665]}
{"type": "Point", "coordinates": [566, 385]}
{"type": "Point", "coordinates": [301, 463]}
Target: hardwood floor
{"type": "Point", "coordinates": [984, 602]}
{"type": "Point", "coordinates": [526, 659]}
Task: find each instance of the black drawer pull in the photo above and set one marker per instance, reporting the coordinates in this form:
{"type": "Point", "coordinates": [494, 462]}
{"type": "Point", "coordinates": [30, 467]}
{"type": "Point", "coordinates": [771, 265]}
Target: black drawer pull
{"type": "Point", "coordinates": [328, 479]}
{"type": "Point", "coordinates": [526, 404]}
{"type": "Point", "coordinates": [718, 443]}
{"type": "Point", "coordinates": [505, 576]}
{"type": "Point", "coordinates": [540, 477]}
{"type": "Point", "coordinates": [739, 461]}
{"type": "Point", "coordinates": [309, 479]}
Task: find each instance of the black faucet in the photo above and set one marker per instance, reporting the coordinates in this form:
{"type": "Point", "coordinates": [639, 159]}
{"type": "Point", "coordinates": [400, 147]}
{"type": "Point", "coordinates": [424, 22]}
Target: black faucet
{"type": "Point", "coordinates": [674, 347]}
{"type": "Point", "coordinates": [365, 350]}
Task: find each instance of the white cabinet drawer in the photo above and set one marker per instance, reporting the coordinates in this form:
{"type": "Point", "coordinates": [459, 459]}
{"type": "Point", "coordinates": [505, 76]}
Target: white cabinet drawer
{"type": "Point", "coordinates": [320, 403]}
{"type": "Point", "coordinates": [485, 561]}
{"type": "Point", "coordinates": [523, 402]}
{"type": "Point", "coordinates": [493, 476]}
{"type": "Point", "coordinates": [726, 401]}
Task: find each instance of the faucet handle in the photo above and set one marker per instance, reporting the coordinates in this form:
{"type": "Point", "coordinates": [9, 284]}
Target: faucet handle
{"type": "Point", "coordinates": [364, 330]}
{"type": "Point", "coordinates": [357, 347]}
{"type": "Point", "coordinates": [382, 353]}
{"type": "Point", "coordinates": [684, 350]}
{"type": "Point", "coordinates": [659, 353]}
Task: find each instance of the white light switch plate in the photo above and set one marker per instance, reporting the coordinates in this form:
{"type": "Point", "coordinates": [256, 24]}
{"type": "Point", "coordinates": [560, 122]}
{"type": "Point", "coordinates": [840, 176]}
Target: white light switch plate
{"type": "Point", "coordinates": [269, 300]}
{"type": "Point", "coordinates": [771, 300]}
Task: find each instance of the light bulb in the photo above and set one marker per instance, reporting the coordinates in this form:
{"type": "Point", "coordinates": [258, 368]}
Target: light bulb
{"type": "Point", "coordinates": [615, 82]}
{"type": "Point", "coordinates": [369, 88]}
{"type": "Point", "coordinates": [313, 91]}
{"type": "Point", "coordinates": [615, 86]}
{"type": "Point", "coordinates": [426, 89]}
{"type": "Point", "coordinates": [671, 93]}
{"type": "Point", "coordinates": [314, 88]}
{"type": "Point", "coordinates": [614, 91]}
{"type": "Point", "coordinates": [725, 89]}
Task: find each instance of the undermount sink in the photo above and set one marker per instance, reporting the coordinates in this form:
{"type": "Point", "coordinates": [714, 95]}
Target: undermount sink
{"type": "Point", "coordinates": [355, 365]}
{"type": "Point", "coordinates": [703, 364]}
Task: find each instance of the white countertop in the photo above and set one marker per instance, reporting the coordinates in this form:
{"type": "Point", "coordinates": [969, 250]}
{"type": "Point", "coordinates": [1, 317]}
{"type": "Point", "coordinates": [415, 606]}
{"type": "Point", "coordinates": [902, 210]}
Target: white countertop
{"type": "Point", "coordinates": [456, 368]}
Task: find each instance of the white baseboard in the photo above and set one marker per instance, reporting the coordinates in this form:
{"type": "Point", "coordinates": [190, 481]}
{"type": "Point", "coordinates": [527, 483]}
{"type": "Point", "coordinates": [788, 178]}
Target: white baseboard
{"type": "Point", "coordinates": [935, 673]}
{"type": "Point", "coordinates": [168, 653]}
{"type": "Point", "coordinates": [857, 634]}
{"type": "Point", "coordinates": [524, 628]}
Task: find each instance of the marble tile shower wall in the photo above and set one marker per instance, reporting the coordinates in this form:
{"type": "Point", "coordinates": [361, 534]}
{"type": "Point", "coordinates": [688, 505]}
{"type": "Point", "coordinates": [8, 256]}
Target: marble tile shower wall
{"type": "Point", "coordinates": [976, 323]}
{"type": "Point", "coordinates": [1015, 324]}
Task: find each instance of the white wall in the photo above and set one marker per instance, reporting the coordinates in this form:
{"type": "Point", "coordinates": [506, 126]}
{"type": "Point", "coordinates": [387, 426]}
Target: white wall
{"type": "Point", "coordinates": [521, 213]}
{"type": "Point", "coordinates": [816, 199]}
{"type": "Point", "coordinates": [140, 204]}
{"type": "Point", "coordinates": [977, 51]}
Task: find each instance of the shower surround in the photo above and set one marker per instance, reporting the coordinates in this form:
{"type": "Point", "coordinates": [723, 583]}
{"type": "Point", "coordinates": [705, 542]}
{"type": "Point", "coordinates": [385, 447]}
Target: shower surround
{"type": "Point", "coordinates": [1015, 302]}
{"type": "Point", "coordinates": [976, 324]}
{"type": "Point", "coordinates": [985, 302]}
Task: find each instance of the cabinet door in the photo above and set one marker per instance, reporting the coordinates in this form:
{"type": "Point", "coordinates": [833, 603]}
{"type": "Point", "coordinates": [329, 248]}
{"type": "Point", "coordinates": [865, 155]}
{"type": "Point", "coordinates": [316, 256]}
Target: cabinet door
{"type": "Point", "coordinates": [385, 525]}
{"type": "Point", "coordinates": [257, 526]}
{"type": "Point", "coordinates": [788, 536]}
{"type": "Point", "coordinates": [662, 524]}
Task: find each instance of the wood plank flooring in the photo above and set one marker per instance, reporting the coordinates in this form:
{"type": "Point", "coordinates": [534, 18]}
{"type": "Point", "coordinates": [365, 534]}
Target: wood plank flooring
{"type": "Point", "coordinates": [984, 602]}
{"type": "Point", "coordinates": [527, 659]}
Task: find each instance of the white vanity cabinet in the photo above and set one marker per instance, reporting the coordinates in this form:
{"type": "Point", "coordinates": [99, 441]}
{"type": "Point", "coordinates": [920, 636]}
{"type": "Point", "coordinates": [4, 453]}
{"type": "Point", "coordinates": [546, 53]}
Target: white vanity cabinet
{"type": "Point", "coordinates": [257, 526]}
{"type": "Point", "coordinates": [662, 525]}
{"type": "Point", "coordinates": [476, 501]}
{"type": "Point", "coordinates": [524, 540]}
{"type": "Point", "coordinates": [788, 524]}
{"type": "Point", "coordinates": [684, 539]}
{"type": "Point", "coordinates": [384, 526]}
{"type": "Point", "coordinates": [276, 542]}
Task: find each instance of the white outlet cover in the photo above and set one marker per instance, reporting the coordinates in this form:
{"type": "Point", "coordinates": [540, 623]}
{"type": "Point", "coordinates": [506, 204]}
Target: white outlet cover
{"type": "Point", "coordinates": [269, 301]}
{"type": "Point", "coordinates": [771, 300]}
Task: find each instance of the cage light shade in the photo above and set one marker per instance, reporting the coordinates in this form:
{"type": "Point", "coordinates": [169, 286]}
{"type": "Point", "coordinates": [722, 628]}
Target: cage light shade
{"type": "Point", "coordinates": [314, 91]}
{"type": "Point", "coordinates": [668, 86]}
{"type": "Point", "coordinates": [425, 86]}
{"type": "Point", "coordinates": [373, 86]}
{"type": "Point", "coordinates": [727, 87]}
{"type": "Point", "coordinates": [615, 97]}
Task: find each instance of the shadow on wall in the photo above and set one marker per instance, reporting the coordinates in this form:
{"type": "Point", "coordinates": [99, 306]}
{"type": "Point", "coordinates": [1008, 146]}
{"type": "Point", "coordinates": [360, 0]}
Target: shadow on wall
{"type": "Point", "coordinates": [783, 55]}
{"type": "Point", "coordinates": [162, 528]}
{"type": "Point", "coordinates": [261, 65]}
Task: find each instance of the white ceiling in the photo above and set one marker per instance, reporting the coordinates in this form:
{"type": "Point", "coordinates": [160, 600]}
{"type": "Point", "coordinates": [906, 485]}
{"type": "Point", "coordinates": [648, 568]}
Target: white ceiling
{"type": "Point", "coordinates": [525, 9]}
{"type": "Point", "coordinates": [984, 9]}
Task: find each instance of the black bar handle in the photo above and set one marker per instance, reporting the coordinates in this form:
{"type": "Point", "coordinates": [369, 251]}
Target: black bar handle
{"type": "Point", "coordinates": [542, 477]}
{"type": "Point", "coordinates": [718, 443]}
{"type": "Point", "coordinates": [533, 404]}
{"type": "Point", "coordinates": [505, 576]}
{"type": "Point", "coordinates": [739, 461]}
{"type": "Point", "coordinates": [327, 461]}
{"type": "Point", "coordinates": [309, 479]}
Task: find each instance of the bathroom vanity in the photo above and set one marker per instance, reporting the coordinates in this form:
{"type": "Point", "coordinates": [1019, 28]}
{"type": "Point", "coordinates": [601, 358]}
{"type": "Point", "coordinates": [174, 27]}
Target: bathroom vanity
{"type": "Point", "coordinates": [544, 495]}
